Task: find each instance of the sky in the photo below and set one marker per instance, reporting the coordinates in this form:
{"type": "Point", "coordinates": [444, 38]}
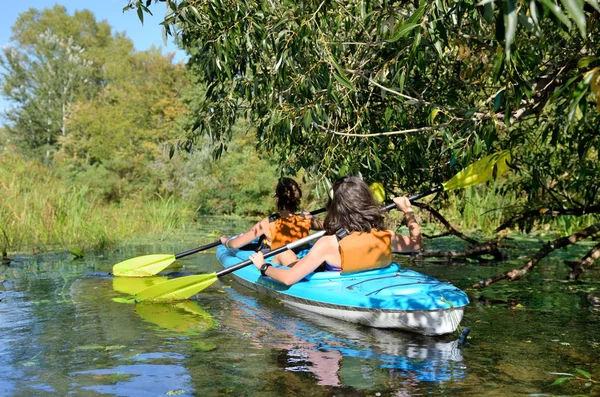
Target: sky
{"type": "Point", "coordinates": [111, 11]}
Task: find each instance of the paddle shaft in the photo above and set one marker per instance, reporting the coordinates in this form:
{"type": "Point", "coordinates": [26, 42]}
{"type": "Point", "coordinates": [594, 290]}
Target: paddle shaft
{"type": "Point", "coordinates": [276, 251]}
{"type": "Point", "coordinates": [193, 251]}
{"type": "Point", "coordinates": [417, 196]}
{"type": "Point", "coordinates": [214, 244]}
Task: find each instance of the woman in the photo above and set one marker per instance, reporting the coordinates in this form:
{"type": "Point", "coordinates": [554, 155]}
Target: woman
{"type": "Point", "coordinates": [288, 227]}
{"type": "Point", "coordinates": [368, 245]}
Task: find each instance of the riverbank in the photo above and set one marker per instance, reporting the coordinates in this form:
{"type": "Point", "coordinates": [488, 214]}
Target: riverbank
{"type": "Point", "coordinates": [41, 211]}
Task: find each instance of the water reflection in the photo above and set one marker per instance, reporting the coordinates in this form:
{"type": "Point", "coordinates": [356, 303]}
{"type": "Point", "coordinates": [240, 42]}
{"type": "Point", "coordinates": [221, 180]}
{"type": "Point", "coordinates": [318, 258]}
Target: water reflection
{"type": "Point", "coordinates": [181, 317]}
{"type": "Point", "coordinates": [339, 354]}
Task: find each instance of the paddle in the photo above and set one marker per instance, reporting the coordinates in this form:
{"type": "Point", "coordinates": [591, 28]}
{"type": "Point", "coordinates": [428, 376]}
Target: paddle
{"type": "Point", "coordinates": [185, 287]}
{"type": "Point", "coordinates": [150, 265]}
{"type": "Point", "coordinates": [480, 171]}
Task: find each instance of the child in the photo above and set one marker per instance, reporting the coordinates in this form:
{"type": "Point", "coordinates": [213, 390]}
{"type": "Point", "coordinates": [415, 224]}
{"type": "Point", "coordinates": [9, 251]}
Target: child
{"type": "Point", "coordinates": [355, 213]}
{"type": "Point", "coordinates": [288, 227]}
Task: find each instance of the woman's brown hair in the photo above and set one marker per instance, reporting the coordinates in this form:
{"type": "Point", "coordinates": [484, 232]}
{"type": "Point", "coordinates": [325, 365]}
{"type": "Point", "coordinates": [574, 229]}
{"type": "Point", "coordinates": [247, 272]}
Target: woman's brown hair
{"type": "Point", "coordinates": [353, 207]}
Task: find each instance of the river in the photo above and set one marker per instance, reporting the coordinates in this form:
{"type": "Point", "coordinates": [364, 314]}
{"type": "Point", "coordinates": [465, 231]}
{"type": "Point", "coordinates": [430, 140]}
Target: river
{"type": "Point", "coordinates": [62, 333]}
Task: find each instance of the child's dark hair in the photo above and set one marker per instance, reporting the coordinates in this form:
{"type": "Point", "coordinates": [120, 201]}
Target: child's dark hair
{"type": "Point", "coordinates": [288, 195]}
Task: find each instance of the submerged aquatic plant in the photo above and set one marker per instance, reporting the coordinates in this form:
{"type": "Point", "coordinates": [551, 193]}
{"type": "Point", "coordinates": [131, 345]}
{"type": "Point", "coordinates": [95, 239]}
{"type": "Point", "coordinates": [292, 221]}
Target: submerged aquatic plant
{"type": "Point", "coordinates": [581, 376]}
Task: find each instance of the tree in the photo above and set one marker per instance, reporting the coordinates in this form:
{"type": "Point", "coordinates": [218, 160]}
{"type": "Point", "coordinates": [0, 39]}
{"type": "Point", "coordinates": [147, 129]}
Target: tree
{"type": "Point", "coordinates": [42, 84]}
{"type": "Point", "coordinates": [54, 59]}
{"type": "Point", "coordinates": [122, 133]}
{"type": "Point", "coordinates": [408, 92]}
{"type": "Point", "coordinates": [404, 92]}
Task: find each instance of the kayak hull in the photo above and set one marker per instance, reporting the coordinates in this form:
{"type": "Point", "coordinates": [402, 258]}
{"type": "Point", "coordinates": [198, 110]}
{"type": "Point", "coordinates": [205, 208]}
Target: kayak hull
{"type": "Point", "coordinates": [392, 298]}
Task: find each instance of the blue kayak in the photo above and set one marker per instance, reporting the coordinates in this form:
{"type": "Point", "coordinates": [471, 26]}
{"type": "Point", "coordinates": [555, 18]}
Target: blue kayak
{"type": "Point", "coordinates": [392, 297]}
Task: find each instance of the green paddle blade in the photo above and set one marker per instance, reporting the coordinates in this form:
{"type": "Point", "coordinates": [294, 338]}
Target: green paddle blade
{"type": "Point", "coordinates": [177, 289]}
{"type": "Point", "coordinates": [480, 171]}
{"type": "Point", "coordinates": [143, 266]}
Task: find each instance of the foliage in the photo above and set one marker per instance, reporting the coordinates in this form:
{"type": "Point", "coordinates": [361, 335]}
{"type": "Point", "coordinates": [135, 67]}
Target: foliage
{"type": "Point", "coordinates": [581, 377]}
{"type": "Point", "coordinates": [240, 182]}
{"type": "Point", "coordinates": [46, 68]}
{"type": "Point", "coordinates": [119, 138]}
{"type": "Point", "coordinates": [405, 93]}
{"type": "Point", "coordinates": [41, 210]}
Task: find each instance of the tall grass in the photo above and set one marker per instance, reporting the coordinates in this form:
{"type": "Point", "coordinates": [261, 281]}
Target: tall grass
{"type": "Point", "coordinates": [41, 211]}
{"type": "Point", "coordinates": [480, 209]}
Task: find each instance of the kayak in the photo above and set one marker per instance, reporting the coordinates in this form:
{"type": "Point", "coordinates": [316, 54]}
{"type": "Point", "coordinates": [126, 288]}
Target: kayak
{"type": "Point", "coordinates": [393, 297]}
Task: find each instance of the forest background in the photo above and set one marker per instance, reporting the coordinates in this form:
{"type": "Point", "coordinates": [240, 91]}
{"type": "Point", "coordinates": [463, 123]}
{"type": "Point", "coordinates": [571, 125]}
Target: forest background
{"type": "Point", "coordinates": [104, 142]}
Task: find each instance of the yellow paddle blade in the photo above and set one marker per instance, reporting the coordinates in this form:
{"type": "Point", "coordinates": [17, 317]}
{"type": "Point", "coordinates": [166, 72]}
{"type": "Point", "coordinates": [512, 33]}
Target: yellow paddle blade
{"type": "Point", "coordinates": [143, 266]}
{"type": "Point", "coordinates": [378, 191]}
{"type": "Point", "coordinates": [133, 285]}
{"type": "Point", "coordinates": [177, 289]}
{"type": "Point", "coordinates": [480, 171]}
{"type": "Point", "coordinates": [182, 317]}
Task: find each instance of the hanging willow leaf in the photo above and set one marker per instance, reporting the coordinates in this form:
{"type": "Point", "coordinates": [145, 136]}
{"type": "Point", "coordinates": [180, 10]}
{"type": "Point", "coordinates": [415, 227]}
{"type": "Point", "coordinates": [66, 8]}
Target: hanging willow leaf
{"type": "Point", "coordinates": [555, 9]}
{"type": "Point", "coordinates": [575, 8]}
{"type": "Point", "coordinates": [510, 25]}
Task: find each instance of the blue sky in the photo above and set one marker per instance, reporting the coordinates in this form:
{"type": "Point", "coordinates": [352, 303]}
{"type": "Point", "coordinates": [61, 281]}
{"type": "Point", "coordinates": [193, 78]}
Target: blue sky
{"type": "Point", "coordinates": [143, 36]}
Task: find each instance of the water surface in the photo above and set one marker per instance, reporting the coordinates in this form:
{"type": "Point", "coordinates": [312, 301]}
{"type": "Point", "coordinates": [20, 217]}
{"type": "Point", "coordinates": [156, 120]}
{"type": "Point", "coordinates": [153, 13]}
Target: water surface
{"type": "Point", "coordinates": [61, 333]}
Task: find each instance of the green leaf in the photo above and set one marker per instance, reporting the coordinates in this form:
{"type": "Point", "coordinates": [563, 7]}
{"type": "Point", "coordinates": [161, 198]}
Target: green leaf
{"type": "Point", "coordinates": [584, 62]}
{"type": "Point", "coordinates": [575, 8]}
{"type": "Point", "coordinates": [559, 381]}
{"type": "Point", "coordinates": [344, 81]}
{"type": "Point", "coordinates": [594, 4]}
{"type": "Point", "coordinates": [510, 25]}
{"type": "Point", "coordinates": [402, 78]}
{"type": "Point", "coordinates": [402, 31]}
{"type": "Point", "coordinates": [584, 373]}
{"type": "Point", "coordinates": [340, 76]}
{"type": "Point", "coordinates": [498, 101]}
{"type": "Point", "coordinates": [555, 9]}
{"type": "Point", "coordinates": [307, 120]}
{"type": "Point", "coordinates": [498, 65]}
{"type": "Point", "coordinates": [140, 15]}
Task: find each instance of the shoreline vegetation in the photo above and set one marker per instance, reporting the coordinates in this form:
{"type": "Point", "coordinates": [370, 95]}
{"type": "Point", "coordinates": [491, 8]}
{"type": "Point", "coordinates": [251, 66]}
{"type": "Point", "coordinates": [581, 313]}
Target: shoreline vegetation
{"type": "Point", "coordinates": [41, 211]}
{"type": "Point", "coordinates": [120, 143]}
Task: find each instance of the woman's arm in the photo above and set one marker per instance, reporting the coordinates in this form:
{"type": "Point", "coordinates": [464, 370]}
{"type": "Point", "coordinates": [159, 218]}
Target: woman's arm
{"type": "Point", "coordinates": [414, 241]}
{"type": "Point", "coordinates": [257, 230]}
{"type": "Point", "coordinates": [325, 250]}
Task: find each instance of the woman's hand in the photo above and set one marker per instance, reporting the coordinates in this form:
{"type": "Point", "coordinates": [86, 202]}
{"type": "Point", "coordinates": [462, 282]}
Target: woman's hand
{"type": "Point", "coordinates": [224, 240]}
{"type": "Point", "coordinates": [403, 204]}
{"type": "Point", "coordinates": [258, 259]}
{"type": "Point", "coordinates": [306, 214]}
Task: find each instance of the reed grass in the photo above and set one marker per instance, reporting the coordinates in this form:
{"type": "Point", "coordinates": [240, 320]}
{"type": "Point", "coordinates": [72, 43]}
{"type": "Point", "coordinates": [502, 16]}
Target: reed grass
{"type": "Point", "coordinates": [481, 210]}
{"type": "Point", "coordinates": [41, 211]}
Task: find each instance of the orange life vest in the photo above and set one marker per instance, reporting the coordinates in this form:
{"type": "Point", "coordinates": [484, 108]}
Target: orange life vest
{"type": "Point", "coordinates": [366, 251]}
{"type": "Point", "coordinates": [287, 230]}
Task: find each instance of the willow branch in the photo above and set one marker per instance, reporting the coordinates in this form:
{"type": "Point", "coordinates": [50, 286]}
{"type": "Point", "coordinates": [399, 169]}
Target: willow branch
{"type": "Point", "coordinates": [491, 247]}
{"type": "Point", "coordinates": [585, 263]}
{"type": "Point", "coordinates": [516, 274]}
{"type": "Point", "coordinates": [447, 225]}
{"type": "Point", "coordinates": [409, 131]}
{"type": "Point", "coordinates": [547, 212]}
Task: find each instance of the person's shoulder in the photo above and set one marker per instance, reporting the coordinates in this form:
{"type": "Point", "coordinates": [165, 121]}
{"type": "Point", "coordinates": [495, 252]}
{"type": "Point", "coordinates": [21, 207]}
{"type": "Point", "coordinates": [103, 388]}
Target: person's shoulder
{"type": "Point", "coordinates": [329, 241]}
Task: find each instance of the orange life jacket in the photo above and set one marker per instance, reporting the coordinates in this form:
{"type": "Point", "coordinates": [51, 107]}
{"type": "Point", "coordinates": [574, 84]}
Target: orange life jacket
{"type": "Point", "coordinates": [287, 230]}
{"type": "Point", "coordinates": [366, 251]}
